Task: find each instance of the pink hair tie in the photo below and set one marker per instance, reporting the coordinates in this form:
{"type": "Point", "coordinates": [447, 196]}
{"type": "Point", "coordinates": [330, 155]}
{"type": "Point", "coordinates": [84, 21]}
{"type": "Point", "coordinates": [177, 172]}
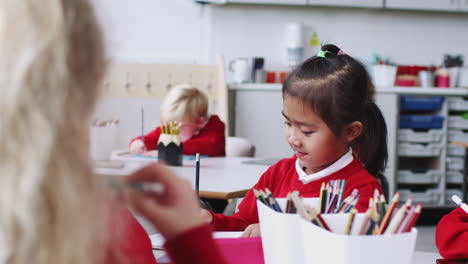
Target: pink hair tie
{"type": "Point", "coordinates": [341, 52]}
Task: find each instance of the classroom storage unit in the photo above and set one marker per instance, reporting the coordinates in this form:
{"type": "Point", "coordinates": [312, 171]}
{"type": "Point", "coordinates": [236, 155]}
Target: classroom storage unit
{"type": "Point", "coordinates": [422, 126]}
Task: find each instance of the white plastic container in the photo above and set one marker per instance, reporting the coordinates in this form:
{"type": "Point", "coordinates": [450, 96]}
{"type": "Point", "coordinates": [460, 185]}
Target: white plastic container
{"type": "Point", "coordinates": [102, 140]}
{"type": "Point", "coordinates": [451, 192]}
{"type": "Point", "coordinates": [457, 135]}
{"type": "Point", "coordinates": [454, 176]}
{"type": "Point", "coordinates": [430, 196]}
{"type": "Point", "coordinates": [458, 104]}
{"type": "Point", "coordinates": [409, 135]}
{"type": "Point", "coordinates": [419, 150]}
{"type": "Point", "coordinates": [455, 163]}
{"type": "Point", "coordinates": [384, 75]}
{"type": "Point", "coordinates": [294, 44]}
{"type": "Point", "coordinates": [454, 150]}
{"type": "Point", "coordinates": [287, 238]}
{"type": "Point", "coordinates": [411, 177]}
{"type": "Point", "coordinates": [457, 122]}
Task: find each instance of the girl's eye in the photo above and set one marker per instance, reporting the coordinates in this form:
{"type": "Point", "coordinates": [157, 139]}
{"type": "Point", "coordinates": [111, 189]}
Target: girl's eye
{"type": "Point", "coordinates": [307, 132]}
{"type": "Point", "coordinates": [287, 123]}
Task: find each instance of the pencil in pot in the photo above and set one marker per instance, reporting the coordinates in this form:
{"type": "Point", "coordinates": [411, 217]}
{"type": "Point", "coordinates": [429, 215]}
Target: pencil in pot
{"type": "Point", "coordinates": [197, 174]}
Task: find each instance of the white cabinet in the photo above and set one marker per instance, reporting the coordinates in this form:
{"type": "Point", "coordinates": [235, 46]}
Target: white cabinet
{"type": "Point", "coordinates": [464, 5]}
{"type": "Point", "coordinates": [435, 5]}
{"type": "Point", "coordinates": [272, 2]}
{"type": "Point", "coordinates": [348, 3]}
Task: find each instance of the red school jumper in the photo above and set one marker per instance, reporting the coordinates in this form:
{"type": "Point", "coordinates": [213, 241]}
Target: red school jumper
{"type": "Point", "coordinates": [452, 235]}
{"type": "Point", "coordinates": [211, 140]}
{"type": "Point", "coordinates": [282, 178]}
{"type": "Point", "coordinates": [195, 246]}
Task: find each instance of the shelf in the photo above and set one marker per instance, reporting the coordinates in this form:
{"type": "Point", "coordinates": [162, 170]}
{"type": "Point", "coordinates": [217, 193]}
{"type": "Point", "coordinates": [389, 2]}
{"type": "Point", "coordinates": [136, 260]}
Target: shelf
{"type": "Point", "coordinates": [392, 90]}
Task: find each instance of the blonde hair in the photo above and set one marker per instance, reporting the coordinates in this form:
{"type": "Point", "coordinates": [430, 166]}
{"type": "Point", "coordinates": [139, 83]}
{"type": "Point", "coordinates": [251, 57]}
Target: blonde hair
{"type": "Point", "coordinates": [51, 62]}
{"type": "Point", "coordinates": [184, 102]}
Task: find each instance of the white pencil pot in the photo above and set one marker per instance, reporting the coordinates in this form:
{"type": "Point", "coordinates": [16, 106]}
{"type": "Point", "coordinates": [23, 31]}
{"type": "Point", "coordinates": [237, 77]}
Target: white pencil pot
{"type": "Point", "coordinates": [288, 238]}
{"type": "Point", "coordinates": [102, 141]}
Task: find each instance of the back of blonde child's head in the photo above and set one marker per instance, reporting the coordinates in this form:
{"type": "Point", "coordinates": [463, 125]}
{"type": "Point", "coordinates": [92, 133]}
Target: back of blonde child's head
{"type": "Point", "coordinates": [184, 102]}
{"type": "Point", "coordinates": [51, 62]}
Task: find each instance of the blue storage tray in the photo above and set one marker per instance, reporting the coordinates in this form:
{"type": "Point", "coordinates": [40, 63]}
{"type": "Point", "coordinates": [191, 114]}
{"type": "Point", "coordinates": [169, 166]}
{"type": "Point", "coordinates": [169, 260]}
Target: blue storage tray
{"type": "Point", "coordinates": [421, 121]}
{"type": "Point", "coordinates": [421, 103]}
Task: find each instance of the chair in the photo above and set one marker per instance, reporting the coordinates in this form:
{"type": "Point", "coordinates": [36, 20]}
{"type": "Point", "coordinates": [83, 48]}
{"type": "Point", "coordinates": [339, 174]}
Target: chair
{"type": "Point", "coordinates": [384, 182]}
{"type": "Point", "coordinates": [239, 147]}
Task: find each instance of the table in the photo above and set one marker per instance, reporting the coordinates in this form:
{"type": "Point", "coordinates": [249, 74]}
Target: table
{"type": "Point", "coordinates": [419, 257]}
{"type": "Point", "coordinates": [220, 177]}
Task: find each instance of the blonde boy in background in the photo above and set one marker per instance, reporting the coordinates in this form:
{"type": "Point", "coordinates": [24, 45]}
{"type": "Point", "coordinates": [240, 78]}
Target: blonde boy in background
{"type": "Point", "coordinates": [200, 133]}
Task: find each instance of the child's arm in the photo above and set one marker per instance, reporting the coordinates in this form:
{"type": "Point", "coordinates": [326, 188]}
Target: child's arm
{"type": "Point", "coordinates": [151, 139]}
{"type": "Point", "coordinates": [210, 141]}
{"type": "Point", "coordinates": [452, 235]}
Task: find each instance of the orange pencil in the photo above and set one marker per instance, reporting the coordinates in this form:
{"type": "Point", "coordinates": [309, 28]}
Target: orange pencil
{"type": "Point", "coordinates": [388, 213]}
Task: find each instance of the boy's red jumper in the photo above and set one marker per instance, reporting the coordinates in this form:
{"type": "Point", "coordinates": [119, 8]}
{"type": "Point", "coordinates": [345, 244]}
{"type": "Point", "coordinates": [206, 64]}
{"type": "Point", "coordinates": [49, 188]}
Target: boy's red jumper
{"type": "Point", "coordinates": [452, 235]}
{"type": "Point", "coordinates": [282, 178]}
{"type": "Point", "coordinates": [211, 140]}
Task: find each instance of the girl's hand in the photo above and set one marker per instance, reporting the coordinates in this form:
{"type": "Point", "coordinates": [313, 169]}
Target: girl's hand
{"type": "Point", "coordinates": [252, 230]}
{"type": "Point", "coordinates": [137, 147]}
{"type": "Point", "coordinates": [173, 211]}
{"type": "Point", "coordinates": [206, 216]}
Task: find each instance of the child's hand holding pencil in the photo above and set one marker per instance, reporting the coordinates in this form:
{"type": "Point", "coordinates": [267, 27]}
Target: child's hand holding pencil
{"type": "Point", "coordinates": [172, 208]}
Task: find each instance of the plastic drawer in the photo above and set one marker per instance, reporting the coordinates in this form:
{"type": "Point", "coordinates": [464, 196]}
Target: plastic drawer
{"type": "Point", "coordinates": [433, 103]}
{"type": "Point", "coordinates": [457, 122]}
{"type": "Point", "coordinates": [454, 150]}
{"type": "Point", "coordinates": [411, 177]}
{"type": "Point", "coordinates": [455, 163]}
{"type": "Point", "coordinates": [450, 192]}
{"type": "Point", "coordinates": [457, 135]}
{"type": "Point", "coordinates": [408, 135]}
{"type": "Point", "coordinates": [421, 121]}
{"type": "Point", "coordinates": [430, 196]}
{"type": "Point", "coordinates": [454, 176]}
{"type": "Point", "coordinates": [457, 104]}
{"type": "Point", "coordinates": [419, 150]}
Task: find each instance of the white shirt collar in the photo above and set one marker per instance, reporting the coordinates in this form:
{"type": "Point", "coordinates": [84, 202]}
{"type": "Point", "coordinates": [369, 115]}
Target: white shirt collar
{"type": "Point", "coordinates": [336, 166]}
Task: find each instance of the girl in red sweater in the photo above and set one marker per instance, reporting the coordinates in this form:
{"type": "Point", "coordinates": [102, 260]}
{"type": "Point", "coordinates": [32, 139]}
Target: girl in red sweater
{"type": "Point", "coordinates": [199, 132]}
{"type": "Point", "coordinates": [452, 235]}
{"type": "Point", "coordinates": [335, 130]}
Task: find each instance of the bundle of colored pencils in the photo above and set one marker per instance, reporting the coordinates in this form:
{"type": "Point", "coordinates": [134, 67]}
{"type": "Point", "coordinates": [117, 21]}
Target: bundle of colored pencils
{"type": "Point", "coordinates": [331, 198]}
{"type": "Point", "coordinates": [387, 219]}
{"type": "Point", "coordinates": [380, 217]}
{"type": "Point", "coordinates": [171, 128]}
{"type": "Point", "coordinates": [294, 204]}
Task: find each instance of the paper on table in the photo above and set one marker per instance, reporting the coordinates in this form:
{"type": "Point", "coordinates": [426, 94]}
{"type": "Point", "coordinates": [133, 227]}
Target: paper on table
{"type": "Point", "coordinates": [157, 240]}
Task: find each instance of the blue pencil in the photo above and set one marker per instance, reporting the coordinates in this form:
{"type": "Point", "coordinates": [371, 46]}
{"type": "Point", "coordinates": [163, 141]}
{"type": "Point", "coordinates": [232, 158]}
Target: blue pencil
{"type": "Point", "coordinates": [142, 125]}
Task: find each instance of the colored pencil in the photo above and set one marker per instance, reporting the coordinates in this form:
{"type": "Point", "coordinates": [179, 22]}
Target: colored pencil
{"type": "Point", "coordinates": [406, 220]}
{"type": "Point", "coordinates": [396, 220]}
{"type": "Point", "coordinates": [197, 173]}
{"type": "Point", "coordinates": [142, 124]}
{"type": "Point", "coordinates": [417, 212]}
{"type": "Point", "coordinates": [460, 203]}
{"type": "Point", "coordinates": [260, 197]}
{"type": "Point", "coordinates": [274, 203]}
{"type": "Point", "coordinates": [349, 224]}
{"type": "Point", "coordinates": [388, 213]}
{"type": "Point", "coordinates": [321, 198]}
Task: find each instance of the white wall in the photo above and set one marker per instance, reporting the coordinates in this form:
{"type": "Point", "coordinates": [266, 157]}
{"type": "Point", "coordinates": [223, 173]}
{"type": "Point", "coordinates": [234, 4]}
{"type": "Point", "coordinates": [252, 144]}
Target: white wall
{"type": "Point", "coordinates": [404, 36]}
{"type": "Point", "coordinates": [156, 30]}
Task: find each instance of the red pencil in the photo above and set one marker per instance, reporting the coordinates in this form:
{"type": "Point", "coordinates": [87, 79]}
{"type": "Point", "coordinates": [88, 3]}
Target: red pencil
{"type": "Point", "coordinates": [417, 212]}
{"type": "Point", "coordinates": [388, 213]}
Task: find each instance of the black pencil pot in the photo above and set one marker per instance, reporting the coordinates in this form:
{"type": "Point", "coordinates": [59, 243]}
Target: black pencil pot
{"type": "Point", "coordinates": [170, 150]}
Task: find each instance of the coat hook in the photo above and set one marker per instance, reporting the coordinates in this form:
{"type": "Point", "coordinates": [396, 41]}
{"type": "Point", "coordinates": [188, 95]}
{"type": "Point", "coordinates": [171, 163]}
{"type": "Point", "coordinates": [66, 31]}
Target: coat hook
{"type": "Point", "coordinates": [127, 82]}
{"type": "Point", "coordinates": [148, 82]}
{"type": "Point", "coordinates": [169, 80]}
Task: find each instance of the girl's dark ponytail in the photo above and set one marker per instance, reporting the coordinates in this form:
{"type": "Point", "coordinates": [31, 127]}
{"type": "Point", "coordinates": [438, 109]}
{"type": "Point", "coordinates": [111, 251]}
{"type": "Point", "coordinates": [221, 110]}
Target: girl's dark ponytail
{"type": "Point", "coordinates": [372, 143]}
